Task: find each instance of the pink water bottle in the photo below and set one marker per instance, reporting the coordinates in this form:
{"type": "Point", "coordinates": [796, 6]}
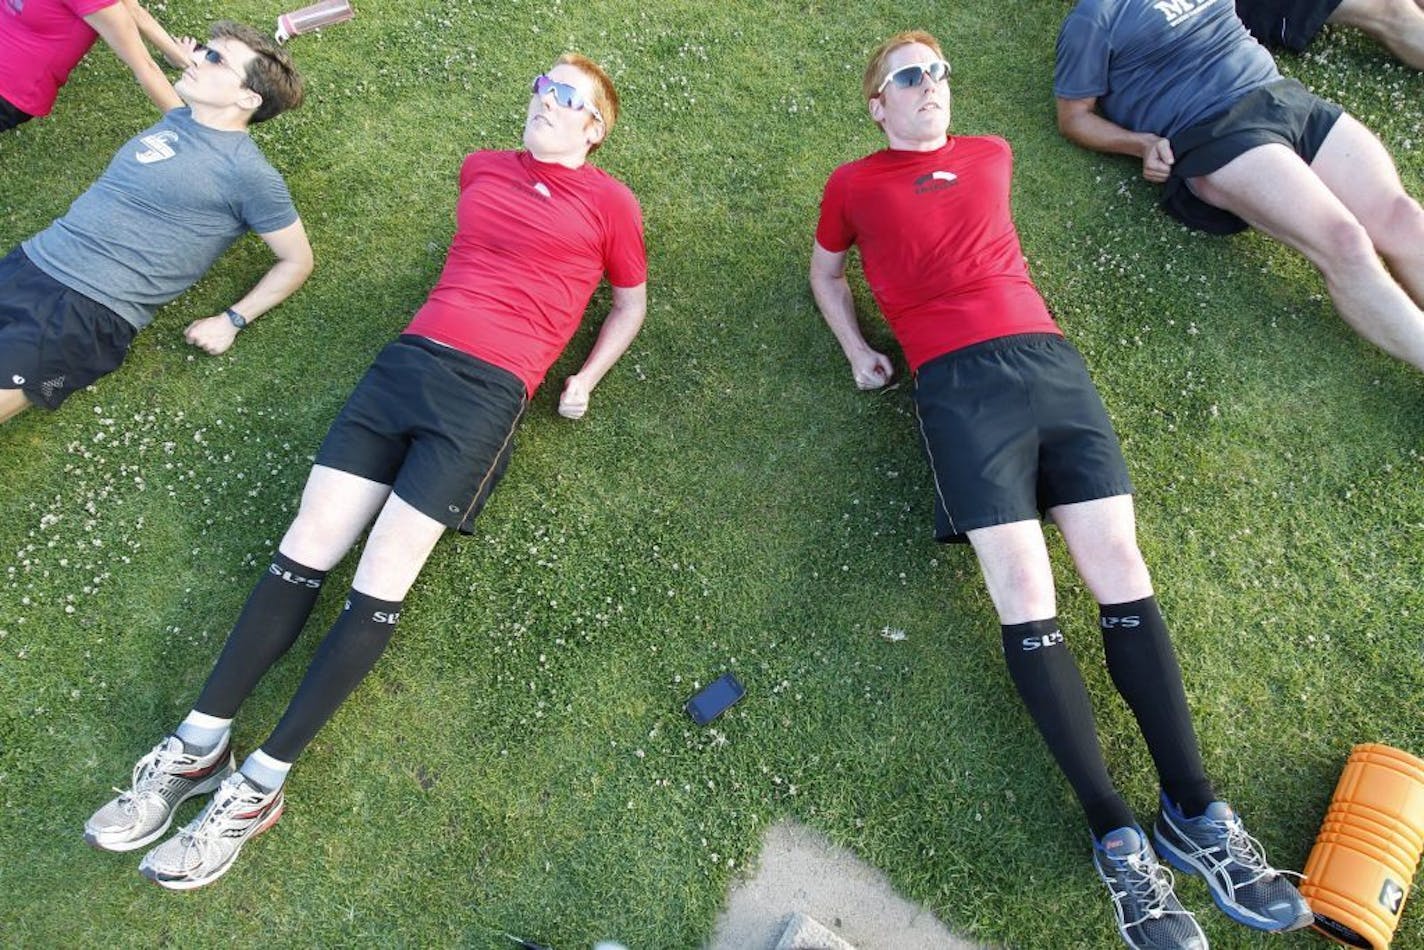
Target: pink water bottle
{"type": "Point", "coordinates": [313, 17]}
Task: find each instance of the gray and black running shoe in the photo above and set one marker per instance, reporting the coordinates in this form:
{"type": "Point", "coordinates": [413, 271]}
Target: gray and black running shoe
{"type": "Point", "coordinates": [1149, 916]}
{"type": "Point", "coordinates": [161, 781]}
{"type": "Point", "coordinates": [1233, 864]}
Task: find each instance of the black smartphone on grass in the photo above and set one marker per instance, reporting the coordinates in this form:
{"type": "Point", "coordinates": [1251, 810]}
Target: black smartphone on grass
{"type": "Point", "coordinates": [714, 699]}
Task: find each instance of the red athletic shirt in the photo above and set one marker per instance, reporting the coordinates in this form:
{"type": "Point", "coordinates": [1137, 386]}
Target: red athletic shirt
{"type": "Point", "coordinates": [532, 240]}
{"type": "Point", "coordinates": [937, 244]}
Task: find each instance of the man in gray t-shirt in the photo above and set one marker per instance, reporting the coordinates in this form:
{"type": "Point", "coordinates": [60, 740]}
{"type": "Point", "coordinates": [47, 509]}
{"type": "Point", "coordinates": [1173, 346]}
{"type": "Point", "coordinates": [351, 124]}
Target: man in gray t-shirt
{"type": "Point", "coordinates": [1182, 86]}
{"type": "Point", "coordinates": [171, 202]}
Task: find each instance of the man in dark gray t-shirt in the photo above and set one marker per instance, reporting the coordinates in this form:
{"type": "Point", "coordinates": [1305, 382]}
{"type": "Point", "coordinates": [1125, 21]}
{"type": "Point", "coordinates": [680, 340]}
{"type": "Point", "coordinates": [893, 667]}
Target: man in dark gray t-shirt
{"type": "Point", "coordinates": [1182, 86]}
{"type": "Point", "coordinates": [171, 202]}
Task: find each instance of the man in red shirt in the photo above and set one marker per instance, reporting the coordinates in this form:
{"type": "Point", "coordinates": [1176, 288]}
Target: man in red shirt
{"type": "Point", "coordinates": [1014, 428]}
{"type": "Point", "coordinates": [418, 446]}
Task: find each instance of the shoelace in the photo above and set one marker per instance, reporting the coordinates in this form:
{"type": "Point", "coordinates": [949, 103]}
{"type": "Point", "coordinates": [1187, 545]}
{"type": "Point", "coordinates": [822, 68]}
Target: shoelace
{"type": "Point", "coordinates": [202, 836]}
{"type": "Point", "coordinates": [150, 770]}
{"type": "Point", "coordinates": [1246, 851]}
{"type": "Point", "coordinates": [1152, 883]}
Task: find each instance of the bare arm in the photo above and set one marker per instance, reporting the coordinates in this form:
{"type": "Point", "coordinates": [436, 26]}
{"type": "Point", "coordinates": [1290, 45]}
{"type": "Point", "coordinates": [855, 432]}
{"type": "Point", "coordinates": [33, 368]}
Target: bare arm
{"type": "Point", "coordinates": [625, 318]}
{"type": "Point", "coordinates": [154, 32]}
{"type": "Point", "coordinates": [870, 369]}
{"type": "Point", "coordinates": [294, 265]}
{"type": "Point", "coordinates": [1080, 122]}
{"type": "Point", "coordinates": [116, 25]}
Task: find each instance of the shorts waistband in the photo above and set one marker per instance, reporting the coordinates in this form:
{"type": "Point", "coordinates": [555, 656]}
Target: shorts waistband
{"type": "Point", "coordinates": [1011, 342]}
{"type": "Point", "coordinates": [465, 363]}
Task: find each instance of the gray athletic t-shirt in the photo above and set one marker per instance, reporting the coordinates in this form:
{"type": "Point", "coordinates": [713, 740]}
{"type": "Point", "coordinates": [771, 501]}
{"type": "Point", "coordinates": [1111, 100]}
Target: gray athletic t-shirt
{"type": "Point", "coordinates": [171, 202]}
{"type": "Point", "coordinates": [1159, 66]}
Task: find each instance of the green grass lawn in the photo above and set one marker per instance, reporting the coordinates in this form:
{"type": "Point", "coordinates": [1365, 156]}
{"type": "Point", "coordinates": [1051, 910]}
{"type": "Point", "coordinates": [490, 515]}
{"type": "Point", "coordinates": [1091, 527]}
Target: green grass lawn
{"type": "Point", "coordinates": [518, 761]}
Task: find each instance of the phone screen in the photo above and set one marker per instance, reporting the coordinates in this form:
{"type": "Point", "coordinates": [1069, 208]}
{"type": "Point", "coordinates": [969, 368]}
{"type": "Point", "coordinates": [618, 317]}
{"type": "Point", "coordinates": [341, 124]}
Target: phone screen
{"type": "Point", "coordinates": [714, 699]}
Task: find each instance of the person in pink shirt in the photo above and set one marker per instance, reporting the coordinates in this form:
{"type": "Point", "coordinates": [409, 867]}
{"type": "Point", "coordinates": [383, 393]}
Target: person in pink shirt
{"type": "Point", "coordinates": [41, 41]}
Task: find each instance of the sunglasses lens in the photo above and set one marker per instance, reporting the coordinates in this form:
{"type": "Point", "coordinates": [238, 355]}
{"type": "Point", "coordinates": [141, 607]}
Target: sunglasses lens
{"type": "Point", "coordinates": [938, 70]}
{"type": "Point", "coordinates": [908, 77]}
{"type": "Point", "coordinates": [564, 94]}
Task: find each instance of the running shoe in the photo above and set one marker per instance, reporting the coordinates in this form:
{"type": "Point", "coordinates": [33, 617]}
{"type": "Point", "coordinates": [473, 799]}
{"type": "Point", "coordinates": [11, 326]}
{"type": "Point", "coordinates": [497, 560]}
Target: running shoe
{"type": "Point", "coordinates": [204, 851]}
{"type": "Point", "coordinates": [1233, 864]}
{"type": "Point", "coordinates": [162, 780]}
{"type": "Point", "coordinates": [1149, 916]}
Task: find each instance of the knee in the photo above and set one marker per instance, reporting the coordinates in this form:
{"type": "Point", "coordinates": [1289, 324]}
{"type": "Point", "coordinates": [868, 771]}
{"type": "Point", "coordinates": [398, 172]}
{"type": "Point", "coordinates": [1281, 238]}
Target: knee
{"type": "Point", "coordinates": [1402, 228]}
{"type": "Point", "coordinates": [1118, 572]}
{"type": "Point", "coordinates": [1345, 246]}
{"type": "Point", "coordinates": [1021, 593]}
{"type": "Point", "coordinates": [309, 539]}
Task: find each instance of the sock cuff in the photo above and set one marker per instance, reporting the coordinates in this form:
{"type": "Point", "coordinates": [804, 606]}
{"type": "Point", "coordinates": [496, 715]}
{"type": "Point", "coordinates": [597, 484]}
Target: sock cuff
{"type": "Point", "coordinates": [295, 572]}
{"type": "Point", "coordinates": [372, 608]}
{"type": "Point", "coordinates": [1129, 615]}
{"type": "Point", "coordinates": [204, 721]}
{"type": "Point", "coordinates": [264, 760]}
{"type": "Point", "coordinates": [1032, 635]}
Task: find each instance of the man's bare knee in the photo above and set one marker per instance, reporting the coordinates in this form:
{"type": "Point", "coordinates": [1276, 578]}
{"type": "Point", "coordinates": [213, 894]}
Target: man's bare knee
{"type": "Point", "coordinates": [1402, 230]}
{"type": "Point", "coordinates": [1345, 248]}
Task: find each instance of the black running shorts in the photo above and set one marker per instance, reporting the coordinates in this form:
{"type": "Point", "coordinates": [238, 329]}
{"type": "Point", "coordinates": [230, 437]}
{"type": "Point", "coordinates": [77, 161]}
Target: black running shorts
{"type": "Point", "coordinates": [10, 116]}
{"type": "Point", "coordinates": [1283, 112]}
{"type": "Point", "coordinates": [1013, 427]}
{"type": "Point", "coordinates": [1291, 24]}
{"type": "Point", "coordinates": [53, 340]}
{"type": "Point", "coordinates": [433, 422]}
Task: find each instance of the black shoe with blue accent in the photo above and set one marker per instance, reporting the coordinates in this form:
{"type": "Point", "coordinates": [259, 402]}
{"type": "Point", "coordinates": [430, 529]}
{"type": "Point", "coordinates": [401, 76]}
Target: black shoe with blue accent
{"type": "Point", "coordinates": [1216, 847]}
{"type": "Point", "coordinates": [1149, 916]}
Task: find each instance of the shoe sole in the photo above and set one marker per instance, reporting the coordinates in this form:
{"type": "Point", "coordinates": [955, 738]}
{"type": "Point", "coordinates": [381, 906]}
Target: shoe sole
{"type": "Point", "coordinates": [95, 839]}
{"type": "Point", "coordinates": [189, 884]}
{"type": "Point", "coordinates": [1185, 864]}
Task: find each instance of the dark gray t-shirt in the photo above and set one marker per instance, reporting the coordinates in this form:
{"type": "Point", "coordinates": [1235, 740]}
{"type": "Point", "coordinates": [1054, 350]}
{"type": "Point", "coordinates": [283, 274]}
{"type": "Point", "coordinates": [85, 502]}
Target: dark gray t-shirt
{"type": "Point", "coordinates": [171, 202]}
{"type": "Point", "coordinates": [1159, 66]}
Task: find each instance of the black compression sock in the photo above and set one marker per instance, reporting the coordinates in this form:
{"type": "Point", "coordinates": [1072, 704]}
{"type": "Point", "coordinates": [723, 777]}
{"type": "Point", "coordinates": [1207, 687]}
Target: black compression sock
{"type": "Point", "coordinates": [356, 641]}
{"type": "Point", "coordinates": [1052, 689]}
{"type": "Point", "coordinates": [274, 615]}
{"type": "Point", "coordinates": [1144, 669]}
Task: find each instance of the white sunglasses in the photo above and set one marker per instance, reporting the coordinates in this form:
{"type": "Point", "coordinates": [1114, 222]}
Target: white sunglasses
{"type": "Point", "coordinates": [908, 77]}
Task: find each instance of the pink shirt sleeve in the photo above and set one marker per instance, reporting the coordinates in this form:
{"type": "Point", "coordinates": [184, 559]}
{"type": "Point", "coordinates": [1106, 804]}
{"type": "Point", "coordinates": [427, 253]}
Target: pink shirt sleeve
{"type": "Point", "coordinates": [83, 8]}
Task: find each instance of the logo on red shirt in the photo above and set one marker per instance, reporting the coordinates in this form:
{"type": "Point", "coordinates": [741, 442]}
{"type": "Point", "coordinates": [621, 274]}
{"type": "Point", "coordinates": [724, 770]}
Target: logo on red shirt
{"type": "Point", "coordinates": [934, 181]}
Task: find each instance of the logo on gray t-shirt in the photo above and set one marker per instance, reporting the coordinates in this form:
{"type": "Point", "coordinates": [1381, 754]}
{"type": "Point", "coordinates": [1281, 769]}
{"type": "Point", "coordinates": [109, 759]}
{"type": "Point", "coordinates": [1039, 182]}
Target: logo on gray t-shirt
{"type": "Point", "coordinates": [159, 147]}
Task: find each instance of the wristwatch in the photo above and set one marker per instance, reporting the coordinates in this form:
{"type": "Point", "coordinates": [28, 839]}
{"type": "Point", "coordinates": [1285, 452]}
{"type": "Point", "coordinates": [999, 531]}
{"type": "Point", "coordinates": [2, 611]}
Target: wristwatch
{"type": "Point", "coordinates": [237, 319]}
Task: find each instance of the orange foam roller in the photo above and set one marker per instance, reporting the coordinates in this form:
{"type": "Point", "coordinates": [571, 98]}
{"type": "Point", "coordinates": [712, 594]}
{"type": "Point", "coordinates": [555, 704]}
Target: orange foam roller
{"type": "Point", "coordinates": [1361, 869]}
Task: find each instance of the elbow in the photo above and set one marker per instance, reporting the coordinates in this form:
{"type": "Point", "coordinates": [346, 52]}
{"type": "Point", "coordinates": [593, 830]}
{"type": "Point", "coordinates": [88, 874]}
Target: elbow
{"type": "Point", "coordinates": [303, 266]}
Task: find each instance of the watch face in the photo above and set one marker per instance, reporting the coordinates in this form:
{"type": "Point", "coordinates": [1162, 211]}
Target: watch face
{"type": "Point", "coordinates": [237, 319]}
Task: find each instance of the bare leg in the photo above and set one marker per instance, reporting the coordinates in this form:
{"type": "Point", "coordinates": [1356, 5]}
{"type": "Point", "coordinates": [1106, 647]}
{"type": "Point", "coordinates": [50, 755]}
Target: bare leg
{"type": "Point", "coordinates": [1274, 191]}
{"type": "Point", "coordinates": [400, 543]}
{"type": "Point", "coordinates": [1355, 166]}
{"type": "Point", "coordinates": [336, 507]}
{"type": "Point", "coordinates": [1102, 537]}
{"type": "Point", "coordinates": [1397, 24]}
{"type": "Point", "coordinates": [1014, 561]}
{"type": "Point", "coordinates": [12, 403]}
